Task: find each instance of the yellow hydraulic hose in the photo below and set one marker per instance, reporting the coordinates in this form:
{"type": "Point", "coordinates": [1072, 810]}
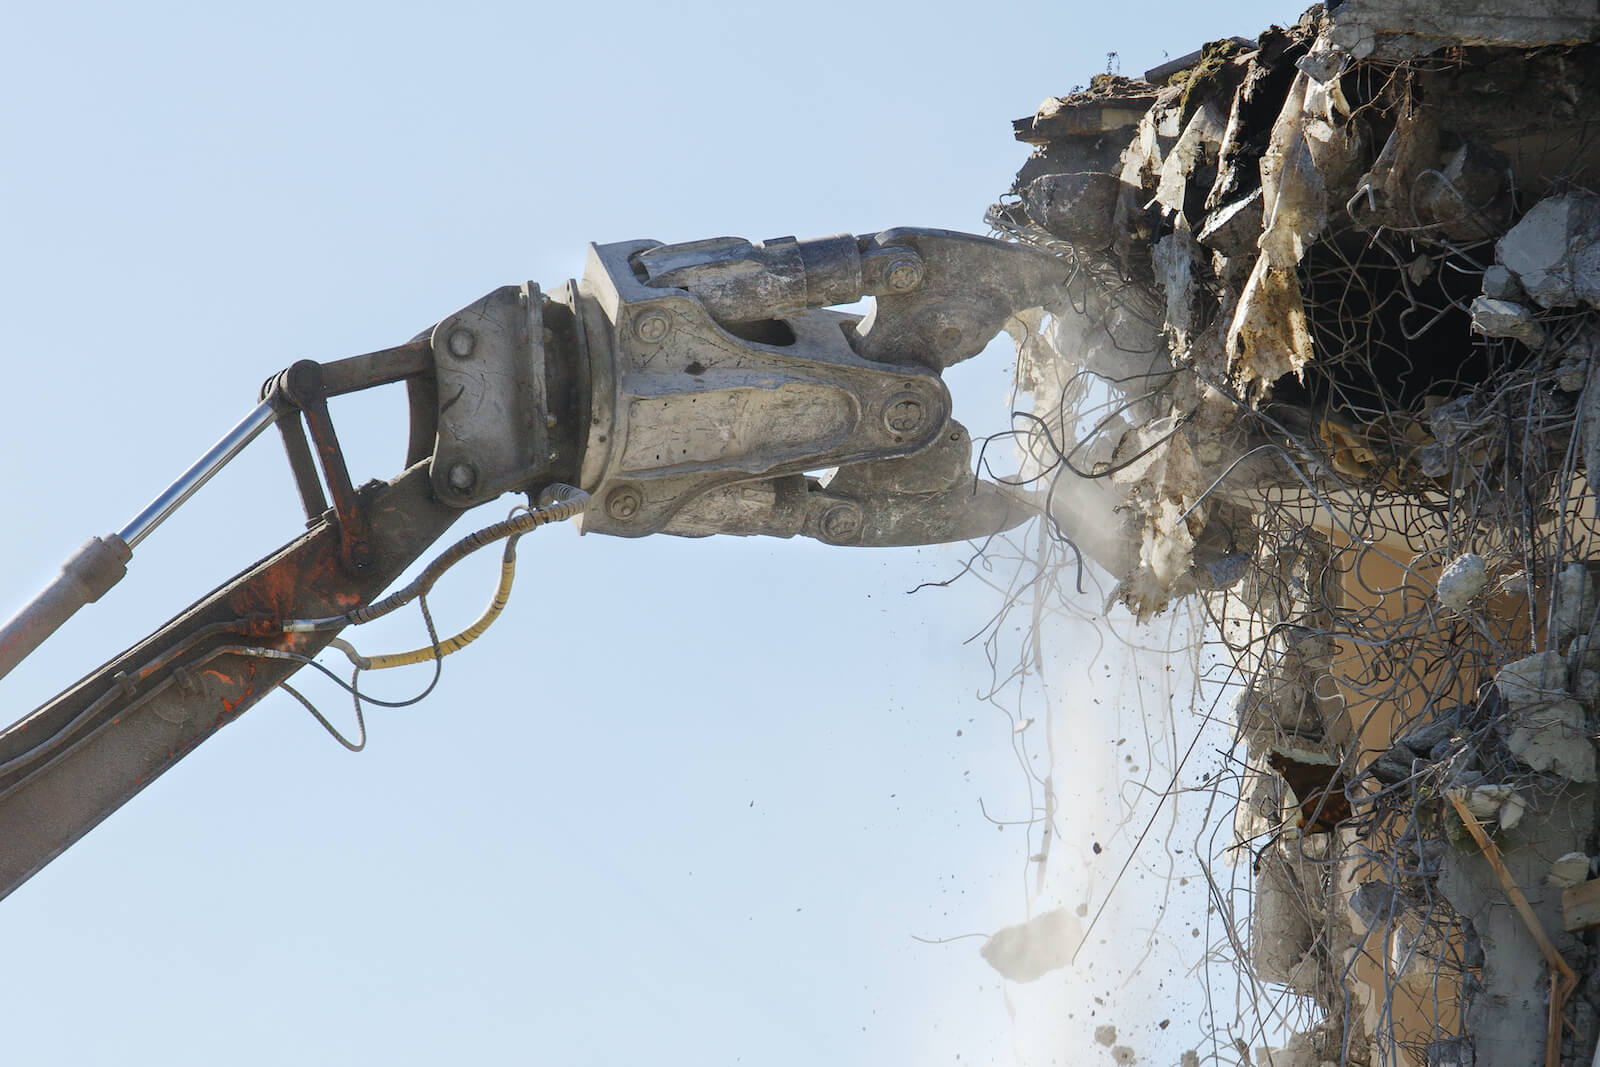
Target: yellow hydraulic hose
{"type": "Point", "coordinates": [426, 654]}
{"type": "Point", "coordinates": [556, 503]}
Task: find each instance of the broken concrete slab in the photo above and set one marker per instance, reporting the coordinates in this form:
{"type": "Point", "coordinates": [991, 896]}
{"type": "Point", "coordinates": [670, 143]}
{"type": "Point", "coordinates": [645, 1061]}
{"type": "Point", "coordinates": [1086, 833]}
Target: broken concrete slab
{"type": "Point", "coordinates": [1502, 318]}
{"type": "Point", "coordinates": [1402, 29]}
{"type": "Point", "coordinates": [1112, 103]}
{"type": "Point", "coordinates": [1500, 284]}
{"type": "Point", "coordinates": [1077, 206]}
{"type": "Point", "coordinates": [1533, 681]}
{"type": "Point", "coordinates": [1282, 931]}
{"type": "Point", "coordinates": [1553, 251]}
{"type": "Point", "coordinates": [1569, 870]}
{"type": "Point", "coordinates": [1554, 737]}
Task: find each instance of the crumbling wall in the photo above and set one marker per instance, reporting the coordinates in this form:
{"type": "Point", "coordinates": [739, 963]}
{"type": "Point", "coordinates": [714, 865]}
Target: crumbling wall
{"type": "Point", "coordinates": [1327, 363]}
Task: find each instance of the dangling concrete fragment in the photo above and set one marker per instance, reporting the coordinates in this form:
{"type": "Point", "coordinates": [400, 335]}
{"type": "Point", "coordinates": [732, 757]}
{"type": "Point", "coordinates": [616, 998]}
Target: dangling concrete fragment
{"type": "Point", "coordinates": [1461, 581]}
{"type": "Point", "coordinates": [1502, 318]}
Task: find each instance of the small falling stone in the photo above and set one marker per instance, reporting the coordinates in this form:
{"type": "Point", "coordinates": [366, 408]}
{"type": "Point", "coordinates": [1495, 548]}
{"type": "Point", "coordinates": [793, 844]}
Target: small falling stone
{"type": "Point", "coordinates": [1097, 848]}
{"type": "Point", "coordinates": [1106, 1035]}
{"type": "Point", "coordinates": [1164, 1023]}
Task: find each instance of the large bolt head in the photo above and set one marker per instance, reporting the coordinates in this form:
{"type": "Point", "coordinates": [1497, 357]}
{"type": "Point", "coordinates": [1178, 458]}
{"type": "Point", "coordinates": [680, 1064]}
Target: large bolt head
{"type": "Point", "coordinates": [623, 503]}
{"type": "Point", "coordinates": [841, 524]}
{"type": "Point", "coordinates": [461, 343]}
{"type": "Point", "coordinates": [904, 414]}
{"type": "Point", "coordinates": [462, 477]}
{"type": "Point", "coordinates": [652, 326]}
{"type": "Point", "coordinates": [904, 275]}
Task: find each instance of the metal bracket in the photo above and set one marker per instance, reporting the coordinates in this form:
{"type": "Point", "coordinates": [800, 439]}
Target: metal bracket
{"type": "Point", "coordinates": [489, 361]}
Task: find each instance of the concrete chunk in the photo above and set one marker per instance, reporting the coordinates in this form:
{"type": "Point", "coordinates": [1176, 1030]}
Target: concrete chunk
{"type": "Point", "coordinates": [1462, 580]}
{"type": "Point", "coordinates": [1401, 29]}
{"type": "Point", "coordinates": [1553, 253]}
{"type": "Point", "coordinates": [1569, 870]}
{"type": "Point", "coordinates": [1500, 284]}
{"type": "Point", "coordinates": [1077, 206]}
{"type": "Point", "coordinates": [1533, 681]}
{"type": "Point", "coordinates": [1502, 318]}
{"type": "Point", "coordinates": [1030, 950]}
{"type": "Point", "coordinates": [1552, 737]}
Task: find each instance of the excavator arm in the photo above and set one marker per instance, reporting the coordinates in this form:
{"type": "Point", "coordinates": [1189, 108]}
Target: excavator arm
{"type": "Point", "coordinates": [687, 389]}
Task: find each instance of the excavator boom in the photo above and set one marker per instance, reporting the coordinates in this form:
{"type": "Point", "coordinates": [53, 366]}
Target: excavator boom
{"type": "Point", "coordinates": [686, 389]}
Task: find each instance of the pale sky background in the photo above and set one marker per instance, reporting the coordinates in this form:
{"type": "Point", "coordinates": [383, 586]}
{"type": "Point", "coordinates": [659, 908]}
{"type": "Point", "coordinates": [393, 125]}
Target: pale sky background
{"type": "Point", "coordinates": [689, 800]}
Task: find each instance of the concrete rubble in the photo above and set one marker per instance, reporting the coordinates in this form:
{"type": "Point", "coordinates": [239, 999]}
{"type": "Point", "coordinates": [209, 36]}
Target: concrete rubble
{"type": "Point", "coordinates": [1030, 950]}
{"type": "Point", "coordinates": [1569, 870]}
{"type": "Point", "coordinates": [1335, 308]}
{"type": "Point", "coordinates": [1461, 581]}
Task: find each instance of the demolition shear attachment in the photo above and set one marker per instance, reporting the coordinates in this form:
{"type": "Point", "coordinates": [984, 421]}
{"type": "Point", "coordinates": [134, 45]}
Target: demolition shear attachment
{"type": "Point", "coordinates": [722, 393]}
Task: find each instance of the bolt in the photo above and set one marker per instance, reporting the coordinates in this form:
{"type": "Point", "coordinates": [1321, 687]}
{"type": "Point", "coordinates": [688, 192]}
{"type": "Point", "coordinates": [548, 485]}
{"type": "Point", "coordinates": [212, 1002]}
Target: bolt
{"type": "Point", "coordinates": [461, 342]}
{"type": "Point", "coordinates": [462, 477]}
{"type": "Point", "coordinates": [904, 274]}
{"type": "Point", "coordinates": [623, 503]}
{"type": "Point", "coordinates": [904, 414]}
{"type": "Point", "coordinates": [652, 326]}
{"type": "Point", "coordinates": [841, 524]}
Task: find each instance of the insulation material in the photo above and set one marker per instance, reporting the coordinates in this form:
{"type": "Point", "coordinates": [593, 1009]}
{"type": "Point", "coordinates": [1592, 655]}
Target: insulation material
{"type": "Point", "coordinates": [1268, 337]}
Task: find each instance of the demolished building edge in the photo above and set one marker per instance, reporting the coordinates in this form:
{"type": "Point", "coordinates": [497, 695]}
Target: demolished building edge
{"type": "Point", "coordinates": [1318, 467]}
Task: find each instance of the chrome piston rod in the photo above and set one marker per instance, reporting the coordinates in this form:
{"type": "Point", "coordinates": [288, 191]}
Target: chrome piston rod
{"type": "Point", "coordinates": [103, 561]}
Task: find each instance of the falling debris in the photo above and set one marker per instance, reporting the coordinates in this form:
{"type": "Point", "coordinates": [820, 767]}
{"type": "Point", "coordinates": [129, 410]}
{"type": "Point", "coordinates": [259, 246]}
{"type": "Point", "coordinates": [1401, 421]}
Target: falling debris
{"type": "Point", "coordinates": [1106, 1035]}
{"type": "Point", "coordinates": [1030, 950]}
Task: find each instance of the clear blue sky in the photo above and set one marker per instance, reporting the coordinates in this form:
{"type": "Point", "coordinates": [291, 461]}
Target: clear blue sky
{"type": "Point", "coordinates": [688, 802]}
